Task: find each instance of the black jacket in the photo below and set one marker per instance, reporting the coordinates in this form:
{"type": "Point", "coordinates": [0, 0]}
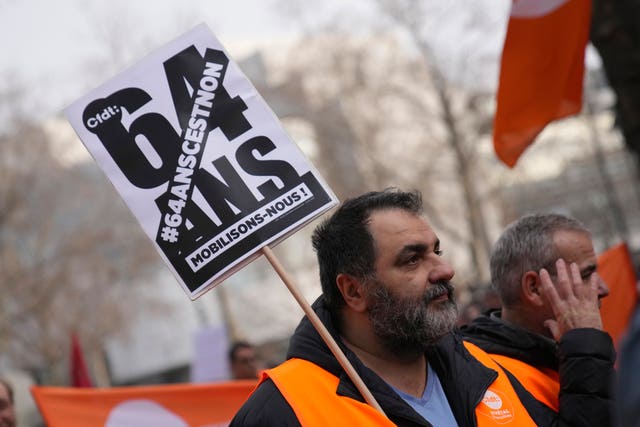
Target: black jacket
{"type": "Point", "coordinates": [584, 358]}
{"type": "Point", "coordinates": [453, 364]}
{"type": "Point", "coordinates": [629, 386]}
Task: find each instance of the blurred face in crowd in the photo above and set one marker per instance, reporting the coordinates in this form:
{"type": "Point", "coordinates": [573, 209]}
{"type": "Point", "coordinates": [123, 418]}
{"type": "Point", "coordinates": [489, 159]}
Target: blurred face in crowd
{"type": "Point", "coordinates": [411, 299]}
{"type": "Point", "coordinates": [244, 365]}
{"type": "Point", "coordinates": [7, 411]}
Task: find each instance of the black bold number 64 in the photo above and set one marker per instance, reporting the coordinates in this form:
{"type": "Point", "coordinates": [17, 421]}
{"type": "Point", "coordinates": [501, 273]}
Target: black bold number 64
{"type": "Point", "coordinates": [121, 143]}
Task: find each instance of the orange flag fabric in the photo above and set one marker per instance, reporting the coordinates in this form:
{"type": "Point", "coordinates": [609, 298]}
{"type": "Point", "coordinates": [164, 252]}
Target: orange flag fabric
{"type": "Point", "coordinates": [541, 71]}
{"type": "Point", "coordinates": [615, 266]}
{"type": "Point", "coordinates": [175, 405]}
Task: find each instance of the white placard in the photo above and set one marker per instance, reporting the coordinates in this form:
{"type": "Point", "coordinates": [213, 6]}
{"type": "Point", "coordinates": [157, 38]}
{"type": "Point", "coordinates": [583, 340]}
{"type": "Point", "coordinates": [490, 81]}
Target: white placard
{"type": "Point", "coordinates": [199, 158]}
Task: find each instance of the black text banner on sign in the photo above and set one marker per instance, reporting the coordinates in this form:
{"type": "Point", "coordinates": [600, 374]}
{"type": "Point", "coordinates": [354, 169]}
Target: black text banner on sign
{"type": "Point", "coordinates": [199, 158]}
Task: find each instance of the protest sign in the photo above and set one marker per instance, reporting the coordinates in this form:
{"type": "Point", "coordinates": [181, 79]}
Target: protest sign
{"type": "Point", "coordinates": [199, 158]}
{"type": "Point", "coordinates": [204, 165]}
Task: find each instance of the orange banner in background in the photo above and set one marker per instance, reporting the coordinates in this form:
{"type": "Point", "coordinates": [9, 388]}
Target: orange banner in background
{"type": "Point", "coordinates": [541, 71]}
{"type": "Point", "coordinates": [615, 266]}
{"type": "Point", "coordinates": [183, 405]}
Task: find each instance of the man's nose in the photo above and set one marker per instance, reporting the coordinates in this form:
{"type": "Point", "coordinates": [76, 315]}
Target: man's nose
{"type": "Point", "coordinates": [442, 271]}
{"type": "Point", "coordinates": [603, 288]}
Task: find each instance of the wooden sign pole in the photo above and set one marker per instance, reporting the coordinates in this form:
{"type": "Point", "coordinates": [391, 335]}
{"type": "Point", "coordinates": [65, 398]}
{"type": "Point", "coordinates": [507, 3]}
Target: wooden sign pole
{"type": "Point", "coordinates": [322, 330]}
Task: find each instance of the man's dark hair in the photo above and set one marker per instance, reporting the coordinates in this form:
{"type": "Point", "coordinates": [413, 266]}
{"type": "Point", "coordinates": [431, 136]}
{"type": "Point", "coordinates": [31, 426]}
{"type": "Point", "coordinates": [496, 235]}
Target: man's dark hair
{"type": "Point", "coordinates": [7, 385]}
{"type": "Point", "coordinates": [237, 346]}
{"type": "Point", "coordinates": [343, 242]}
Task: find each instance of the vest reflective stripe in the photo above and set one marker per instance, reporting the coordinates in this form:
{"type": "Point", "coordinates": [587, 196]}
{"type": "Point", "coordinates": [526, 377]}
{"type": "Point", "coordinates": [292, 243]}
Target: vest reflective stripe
{"type": "Point", "coordinates": [543, 383]}
{"type": "Point", "coordinates": [500, 405]}
{"type": "Point", "coordinates": [311, 393]}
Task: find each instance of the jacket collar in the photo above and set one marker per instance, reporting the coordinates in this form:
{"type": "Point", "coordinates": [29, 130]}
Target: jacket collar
{"type": "Point", "coordinates": [496, 336]}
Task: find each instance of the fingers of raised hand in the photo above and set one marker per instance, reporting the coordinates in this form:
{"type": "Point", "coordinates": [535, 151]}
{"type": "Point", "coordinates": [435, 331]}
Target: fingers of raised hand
{"type": "Point", "coordinates": [591, 287]}
{"type": "Point", "coordinates": [566, 278]}
{"type": "Point", "coordinates": [575, 304]}
{"type": "Point", "coordinates": [576, 278]}
{"type": "Point", "coordinates": [547, 287]}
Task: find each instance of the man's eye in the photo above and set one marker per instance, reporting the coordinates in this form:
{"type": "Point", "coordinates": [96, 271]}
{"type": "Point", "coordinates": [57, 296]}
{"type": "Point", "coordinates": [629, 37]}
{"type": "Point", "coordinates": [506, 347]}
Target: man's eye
{"type": "Point", "coordinates": [413, 260]}
{"type": "Point", "coordinates": [586, 274]}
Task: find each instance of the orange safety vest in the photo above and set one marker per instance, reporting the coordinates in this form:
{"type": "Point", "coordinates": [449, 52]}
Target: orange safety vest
{"type": "Point", "coordinates": [311, 393]}
{"type": "Point", "coordinates": [542, 383]}
{"type": "Point", "coordinates": [500, 405]}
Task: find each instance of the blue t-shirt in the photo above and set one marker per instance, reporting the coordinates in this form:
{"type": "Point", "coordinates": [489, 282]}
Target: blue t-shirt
{"type": "Point", "coordinates": [433, 406]}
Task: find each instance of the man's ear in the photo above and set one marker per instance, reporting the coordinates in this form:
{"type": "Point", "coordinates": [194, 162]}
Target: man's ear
{"type": "Point", "coordinates": [352, 290]}
{"type": "Point", "coordinates": [530, 289]}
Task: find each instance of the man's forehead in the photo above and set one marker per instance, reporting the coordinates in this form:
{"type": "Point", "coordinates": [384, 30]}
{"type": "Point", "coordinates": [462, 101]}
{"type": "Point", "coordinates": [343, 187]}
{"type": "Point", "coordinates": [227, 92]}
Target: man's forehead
{"type": "Point", "coordinates": [398, 223]}
{"type": "Point", "coordinates": [574, 246]}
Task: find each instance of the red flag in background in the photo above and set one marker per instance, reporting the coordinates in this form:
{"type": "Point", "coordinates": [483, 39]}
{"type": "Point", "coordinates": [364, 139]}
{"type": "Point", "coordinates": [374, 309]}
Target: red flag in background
{"type": "Point", "coordinates": [79, 373]}
{"type": "Point", "coordinates": [541, 71]}
{"type": "Point", "coordinates": [616, 269]}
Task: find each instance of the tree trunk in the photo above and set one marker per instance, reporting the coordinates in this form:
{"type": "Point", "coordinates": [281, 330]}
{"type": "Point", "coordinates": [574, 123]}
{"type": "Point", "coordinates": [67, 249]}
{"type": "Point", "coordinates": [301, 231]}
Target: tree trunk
{"type": "Point", "coordinates": [616, 35]}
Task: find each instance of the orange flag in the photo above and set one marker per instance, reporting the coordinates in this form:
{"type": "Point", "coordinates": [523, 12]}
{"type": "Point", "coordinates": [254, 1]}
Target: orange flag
{"type": "Point", "coordinates": [181, 405]}
{"type": "Point", "coordinates": [616, 269]}
{"type": "Point", "coordinates": [541, 71]}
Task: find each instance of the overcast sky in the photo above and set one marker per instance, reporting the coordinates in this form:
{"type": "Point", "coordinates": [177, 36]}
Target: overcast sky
{"type": "Point", "coordinates": [54, 48]}
{"type": "Point", "coordinates": [46, 45]}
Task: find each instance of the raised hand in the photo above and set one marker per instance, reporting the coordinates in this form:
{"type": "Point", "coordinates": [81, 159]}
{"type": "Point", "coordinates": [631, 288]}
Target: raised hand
{"type": "Point", "coordinates": [574, 302]}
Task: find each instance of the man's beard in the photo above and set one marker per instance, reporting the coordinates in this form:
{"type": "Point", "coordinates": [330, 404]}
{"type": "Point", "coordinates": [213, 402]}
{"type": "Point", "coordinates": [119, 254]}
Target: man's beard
{"type": "Point", "coordinates": [411, 324]}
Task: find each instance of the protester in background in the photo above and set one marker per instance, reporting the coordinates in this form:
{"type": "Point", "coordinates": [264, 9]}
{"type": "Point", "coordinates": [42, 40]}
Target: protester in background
{"type": "Point", "coordinates": [243, 361]}
{"type": "Point", "coordinates": [7, 409]}
{"type": "Point", "coordinates": [483, 298]}
{"type": "Point", "coordinates": [388, 302]}
{"type": "Point", "coordinates": [548, 333]}
{"type": "Point", "coordinates": [468, 313]}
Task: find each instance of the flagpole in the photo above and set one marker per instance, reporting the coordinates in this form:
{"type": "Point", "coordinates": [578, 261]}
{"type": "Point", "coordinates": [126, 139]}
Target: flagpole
{"type": "Point", "coordinates": [322, 330]}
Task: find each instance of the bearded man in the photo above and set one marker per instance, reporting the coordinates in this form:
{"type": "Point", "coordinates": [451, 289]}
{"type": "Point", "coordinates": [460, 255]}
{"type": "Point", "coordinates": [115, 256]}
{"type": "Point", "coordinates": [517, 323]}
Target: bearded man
{"type": "Point", "coordinates": [388, 303]}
